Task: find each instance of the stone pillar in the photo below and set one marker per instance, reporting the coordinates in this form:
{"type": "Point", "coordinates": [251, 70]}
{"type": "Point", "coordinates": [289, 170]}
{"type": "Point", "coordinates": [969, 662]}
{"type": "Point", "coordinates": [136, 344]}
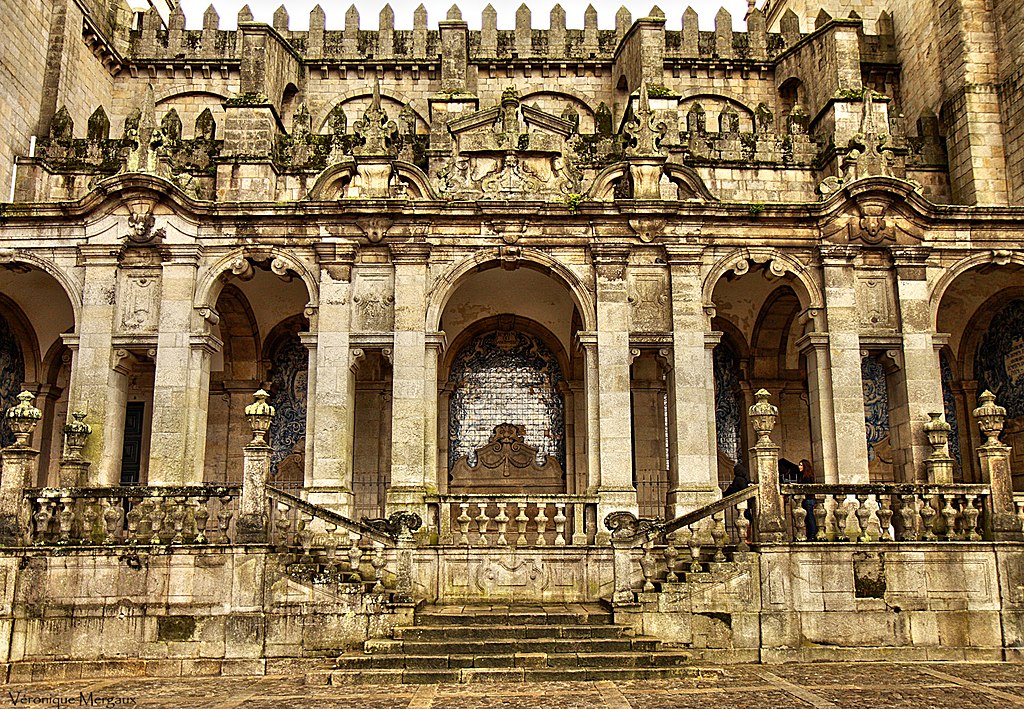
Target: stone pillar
{"type": "Point", "coordinates": [693, 445]}
{"type": "Point", "coordinates": [922, 375]}
{"type": "Point", "coordinates": [98, 385]}
{"type": "Point", "coordinates": [254, 509]}
{"type": "Point", "coordinates": [814, 347]}
{"type": "Point", "coordinates": [409, 447]}
{"type": "Point", "coordinates": [994, 456]}
{"type": "Point", "coordinates": [20, 468]}
{"type": "Point", "coordinates": [74, 469]}
{"type": "Point", "coordinates": [764, 465]}
{"type": "Point", "coordinates": [332, 395]}
{"type": "Point", "coordinates": [615, 487]}
{"type": "Point", "coordinates": [181, 383]}
{"type": "Point", "coordinates": [844, 364]}
{"type": "Point", "coordinates": [454, 52]}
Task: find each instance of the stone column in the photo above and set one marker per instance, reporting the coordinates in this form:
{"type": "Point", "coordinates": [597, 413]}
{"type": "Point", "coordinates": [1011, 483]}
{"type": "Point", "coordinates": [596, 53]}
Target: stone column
{"type": "Point", "coordinates": [994, 456]}
{"type": "Point", "coordinates": [332, 396]}
{"type": "Point", "coordinates": [764, 465]}
{"type": "Point", "coordinates": [254, 508]}
{"type": "Point", "coordinates": [98, 385]}
{"type": "Point", "coordinates": [615, 488]}
{"type": "Point", "coordinates": [922, 375]}
{"type": "Point", "coordinates": [693, 444]}
{"type": "Point", "coordinates": [844, 364]}
{"type": "Point", "coordinates": [20, 468]}
{"type": "Point", "coordinates": [814, 347]}
{"type": "Point", "coordinates": [181, 382]}
{"type": "Point", "coordinates": [409, 447]}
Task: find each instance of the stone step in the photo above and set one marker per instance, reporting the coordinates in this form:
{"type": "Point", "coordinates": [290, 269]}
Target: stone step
{"type": "Point", "coordinates": [507, 632]}
{"type": "Point", "coordinates": [541, 660]}
{"type": "Point", "coordinates": [431, 617]}
{"type": "Point", "coordinates": [485, 674]}
{"type": "Point", "coordinates": [439, 646]}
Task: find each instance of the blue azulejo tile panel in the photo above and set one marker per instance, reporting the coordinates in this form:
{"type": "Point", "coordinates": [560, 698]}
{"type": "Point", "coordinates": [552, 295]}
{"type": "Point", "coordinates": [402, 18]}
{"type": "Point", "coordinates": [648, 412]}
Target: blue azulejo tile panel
{"type": "Point", "coordinates": [876, 403]}
{"type": "Point", "coordinates": [290, 369]}
{"type": "Point", "coordinates": [949, 407]}
{"type": "Point", "coordinates": [999, 361]}
{"type": "Point", "coordinates": [728, 418]}
{"type": "Point", "coordinates": [506, 377]}
{"type": "Point", "coordinates": [12, 374]}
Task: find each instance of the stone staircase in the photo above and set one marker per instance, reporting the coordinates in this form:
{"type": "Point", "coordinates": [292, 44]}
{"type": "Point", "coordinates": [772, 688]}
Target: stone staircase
{"type": "Point", "coordinates": [509, 643]}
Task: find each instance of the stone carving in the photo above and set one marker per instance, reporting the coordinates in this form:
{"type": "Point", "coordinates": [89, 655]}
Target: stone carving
{"type": "Point", "coordinates": [507, 464]}
{"type": "Point", "coordinates": [375, 304]}
{"type": "Point", "coordinates": [140, 228]}
{"type": "Point", "coordinates": [645, 131]}
{"type": "Point", "coordinates": [374, 229]}
{"type": "Point", "coordinates": [139, 298]}
{"type": "Point", "coordinates": [374, 129]}
{"type": "Point", "coordinates": [648, 299]}
{"type": "Point", "coordinates": [877, 305]}
{"type": "Point", "coordinates": [868, 152]}
{"type": "Point", "coordinates": [496, 573]}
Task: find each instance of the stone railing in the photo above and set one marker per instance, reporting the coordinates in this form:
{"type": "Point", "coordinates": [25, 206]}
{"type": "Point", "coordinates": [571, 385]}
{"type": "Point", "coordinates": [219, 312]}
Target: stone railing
{"type": "Point", "coordinates": [887, 512]}
{"type": "Point", "coordinates": [515, 520]}
{"type": "Point", "coordinates": [133, 515]}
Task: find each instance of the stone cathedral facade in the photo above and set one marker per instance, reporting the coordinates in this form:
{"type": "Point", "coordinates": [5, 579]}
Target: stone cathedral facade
{"type": "Point", "coordinates": [523, 295]}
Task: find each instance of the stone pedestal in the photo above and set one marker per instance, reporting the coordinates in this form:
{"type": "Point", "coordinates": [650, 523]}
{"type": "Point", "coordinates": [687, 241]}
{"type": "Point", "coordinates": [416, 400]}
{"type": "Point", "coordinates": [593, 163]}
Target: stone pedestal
{"type": "Point", "coordinates": [20, 468]}
{"type": "Point", "coordinates": [764, 465]}
{"type": "Point", "coordinates": [254, 508]}
{"type": "Point", "coordinates": [994, 457]}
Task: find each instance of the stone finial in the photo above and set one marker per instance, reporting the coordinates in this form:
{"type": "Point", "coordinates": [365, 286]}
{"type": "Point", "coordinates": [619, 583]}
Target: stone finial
{"type": "Point", "coordinates": [76, 432]}
{"type": "Point", "coordinates": [758, 34]}
{"type": "Point", "coordinates": [211, 20]}
{"type": "Point", "coordinates": [208, 39]}
{"type": "Point", "coordinates": [691, 33]}
{"type": "Point", "coordinates": [374, 128]}
{"type": "Point", "coordinates": [387, 18]}
{"type": "Point", "coordinates": [723, 33]}
{"type": "Point", "coordinates": [317, 19]}
{"type": "Point", "coordinates": [645, 130]}
{"type": "Point", "coordinates": [260, 415]}
{"type": "Point", "coordinates": [762, 416]}
{"type": "Point", "coordinates": [386, 32]}
{"type": "Point", "coordinates": [623, 21]}
{"type": "Point", "coordinates": [789, 26]}
{"type": "Point", "coordinates": [350, 35]}
{"type": "Point", "coordinates": [524, 30]}
{"type": "Point", "coordinates": [556, 32]}
{"type": "Point", "coordinates": [937, 431]}
{"type": "Point", "coordinates": [489, 32]}
{"type": "Point", "coordinates": [280, 20]}
{"type": "Point", "coordinates": [656, 12]}
{"type": "Point", "coordinates": [206, 126]}
{"type": "Point", "coordinates": [454, 13]}
{"type": "Point", "coordinates": [590, 28]}
{"type": "Point", "coordinates": [990, 417]}
{"type": "Point", "coordinates": [351, 20]}
{"type": "Point", "coordinates": [884, 24]}
{"type": "Point", "coordinates": [419, 31]}
{"type": "Point", "coordinates": [62, 127]}
{"type": "Point", "coordinates": [245, 14]}
{"type": "Point", "coordinates": [22, 418]}
{"type": "Point", "coordinates": [822, 19]}
{"type": "Point", "coordinates": [170, 127]}
{"type": "Point", "coordinates": [419, 17]}
{"type": "Point", "coordinates": [99, 125]}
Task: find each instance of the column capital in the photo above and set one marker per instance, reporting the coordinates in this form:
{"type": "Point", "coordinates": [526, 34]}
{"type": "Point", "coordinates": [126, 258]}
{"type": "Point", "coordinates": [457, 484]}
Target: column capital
{"type": "Point", "coordinates": [210, 344]}
{"type": "Point", "coordinates": [610, 259]}
{"type": "Point", "coordinates": [838, 255]}
{"type": "Point", "coordinates": [181, 254]}
{"type": "Point", "coordinates": [586, 339]}
{"type": "Point", "coordinates": [684, 254]}
{"type": "Point", "coordinates": [437, 341]}
{"type": "Point", "coordinates": [335, 252]}
{"type": "Point", "coordinates": [712, 339]}
{"type": "Point", "coordinates": [410, 252]}
{"type": "Point", "coordinates": [817, 341]}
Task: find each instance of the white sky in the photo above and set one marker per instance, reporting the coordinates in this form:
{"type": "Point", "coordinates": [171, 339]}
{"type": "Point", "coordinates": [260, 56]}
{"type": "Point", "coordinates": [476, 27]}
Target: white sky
{"type": "Point", "coordinates": [369, 10]}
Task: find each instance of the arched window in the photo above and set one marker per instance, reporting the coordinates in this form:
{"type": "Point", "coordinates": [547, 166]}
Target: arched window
{"type": "Point", "coordinates": [999, 360]}
{"type": "Point", "coordinates": [728, 416]}
{"type": "Point", "coordinates": [289, 366]}
{"type": "Point", "coordinates": [506, 376]}
{"type": "Point", "coordinates": [12, 374]}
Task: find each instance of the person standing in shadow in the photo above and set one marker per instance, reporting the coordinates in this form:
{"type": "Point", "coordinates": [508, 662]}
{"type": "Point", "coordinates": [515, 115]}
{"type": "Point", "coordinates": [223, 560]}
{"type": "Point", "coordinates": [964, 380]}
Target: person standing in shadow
{"type": "Point", "coordinates": [807, 478]}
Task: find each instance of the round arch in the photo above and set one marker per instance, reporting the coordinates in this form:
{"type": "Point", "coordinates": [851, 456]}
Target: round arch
{"type": "Point", "coordinates": [210, 284]}
{"type": "Point", "coordinates": [71, 289]}
{"type": "Point", "coordinates": [448, 283]}
{"type": "Point", "coordinates": [807, 290]}
{"type": "Point", "coordinates": [27, 339]}
{"type": "Point", "coordinates": [399, 97]}
{"type": "Point", "coordinates": [954, 272]}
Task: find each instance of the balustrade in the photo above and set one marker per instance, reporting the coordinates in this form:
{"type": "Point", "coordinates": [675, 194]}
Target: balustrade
{"type": "Point", "coordinates": [515, 520]}
{"type": "Point", "coordinates": [887, 513]}
{"type": "Point", "coordinates": [132, 515]}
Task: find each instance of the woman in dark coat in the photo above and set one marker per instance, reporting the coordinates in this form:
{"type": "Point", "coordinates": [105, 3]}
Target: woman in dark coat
{"type": "Point", "coordinates": [807, 478]}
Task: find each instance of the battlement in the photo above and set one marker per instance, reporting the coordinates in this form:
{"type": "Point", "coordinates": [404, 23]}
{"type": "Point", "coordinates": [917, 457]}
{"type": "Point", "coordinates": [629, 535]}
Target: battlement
{"type": "Point", "coordinates": [556, 43]}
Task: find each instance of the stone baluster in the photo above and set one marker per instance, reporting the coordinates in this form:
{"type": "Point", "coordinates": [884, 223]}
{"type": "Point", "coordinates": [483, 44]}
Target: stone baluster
{"type": "Point", "coordinates": [112, 513]}
{"type": "Point", "coordinates": [648, 566]}
{"type": "Point", "coordinates": [20, 465]}
{"type": "Point", "coordinates": [908, 518]}
{"type": "Point", "coordinates": [1020, 511]}
{"type": "Point", "coordinates": [201, 516]}
{"type": "Point", "coordinates": [927, 513]}
{"type": "Point", "coordinates": [304, 536]}
{"type": "Point", "coordinates": [579, 532]}
{"type": "Point", "coordinates": [254, 513]}
{"type": "Point", "coordinates": [224, 518]}
{"type": "Point", "coordinates": [671, 554]}
{"type": "Point", "coordinates": [971, 513]}
{"type": "Point", "coordinates": [178, 518]}
{"type": "Point", "coordinates": [282, 525]}
{"type": "Point", "coordinates": [521, 521]}
{"type": "Point", "coordinates": [74, 469]}
{"type": "Point", "coordinates": [742, 527]}
{"type": "Point", "coordinates": [542, 524]}
{"type": "Point", "coordinates": [764, 458]}
{"type": "Point", "coordinates": [136, 515]}
{"type": "Point", "coordinates": [355, 558]}
{"type": "Point", "coordinates": [799, 519]}
{"type": "Point", "coordinates": [718, 536]}
{"type": "Point", "coordinates": [502, 522]}
{"type": "Point", "coordinates": [559, 524]}
{"type": "Point", "coordinates": [884, 515]}
{"type": "Point", "coordinates": [408, 522]}
{"type": "Point", "coordinates": [378, 562]}
{"type": "Point", "coordinates": [994, 456]}
{"type": "Point", "coordinates": [157, 515]}
{"type": "Point", "coordinates": [330, 545]}
{"type": "Point", "coordinates": [89, 516]}
{"type": "Point", "coordinates": [66, 519]}
{"type": "Point", "coordinates": [694, 543]}
{"type": "Point", "coordinates": [42, 517]}
{"type": "Point", "coordinates": [863, 519]}
{"type": "Point", "coordinates": [949, 513]}
{"type": "Point", "coordinates": [481, 524]}
{"type": "Point", "coordinates": [463, 521]}
{"type": "Point", "coordinates": [840, 515]}
{"type": "Point", "coordinates": [820, 513]}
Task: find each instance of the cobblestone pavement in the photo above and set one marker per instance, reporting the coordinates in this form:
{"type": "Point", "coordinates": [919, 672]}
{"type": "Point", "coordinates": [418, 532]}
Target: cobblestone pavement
{"type": "Point", "coordinates": [820, 685]}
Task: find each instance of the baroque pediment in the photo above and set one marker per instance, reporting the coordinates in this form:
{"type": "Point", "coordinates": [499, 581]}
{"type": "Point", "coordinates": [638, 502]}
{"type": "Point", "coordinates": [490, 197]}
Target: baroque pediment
{"type": "Point", "coordinates": [507, 464]}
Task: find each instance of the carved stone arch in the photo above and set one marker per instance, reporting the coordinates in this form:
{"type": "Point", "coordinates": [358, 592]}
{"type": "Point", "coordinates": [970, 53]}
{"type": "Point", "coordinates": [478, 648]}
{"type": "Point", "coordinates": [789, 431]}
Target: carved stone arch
{"type": "Point", "coordinates": [417, 180]}
{"type": "Point", "coordinates": [330, 183]}
{"type": "Point", "coordinates": [575, 100]}
{"type": "Point", "coordinates": [447, 283]}
{"type": "Point", "coordinates": [874, 210]}
{"type": "Point", "coordinates": [520, 323]}
{"type": "Point", "coordinates": [415, 104]}
{"type": "Point", "coordinates": [740, 261]}
{"type": "Point", "coordinates": [603, 186]}
{"type": "Point", "coordinates": [72, 291]}
{"type": "Point", "coordinates": [977, 329]}
{"type": "Point", "coordinates": [27, 340]}
{"type": "Point", "coordinates": [772, 328]}
{"type": "Point", "coordinates": [211, 281]}
{"type": "Point", "coordinates": [240, 334]}
{"type": "Point", "coordinates": [731, 100]}
{"type": "Point", "coordinates": [969, 263]}
{"type": "Point", "coordinates": [184, 90]}
{"type": "Point", "coordinates": [690, 181]}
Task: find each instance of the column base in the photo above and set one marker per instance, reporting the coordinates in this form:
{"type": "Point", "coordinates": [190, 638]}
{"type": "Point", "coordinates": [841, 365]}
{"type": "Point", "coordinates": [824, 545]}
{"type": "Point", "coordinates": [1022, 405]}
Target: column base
{"type": "Point", "coordinates": [408, 499]}
{"type": "Point", "coordinates": [251, 529]}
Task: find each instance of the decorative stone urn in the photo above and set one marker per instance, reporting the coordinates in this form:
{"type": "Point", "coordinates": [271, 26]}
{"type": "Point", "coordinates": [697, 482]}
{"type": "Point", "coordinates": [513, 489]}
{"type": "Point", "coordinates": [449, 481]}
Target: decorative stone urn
{"type": "Point", "coordinates": [990, 417]}
{"type": "Point", "coordinates": [23, 418]}
{"type": "Point", "coordinates": [260, 415]}
{"type": "Point", "coordinates": [762, 416]}
{"type": "Point", "coordinates": [76, 433]}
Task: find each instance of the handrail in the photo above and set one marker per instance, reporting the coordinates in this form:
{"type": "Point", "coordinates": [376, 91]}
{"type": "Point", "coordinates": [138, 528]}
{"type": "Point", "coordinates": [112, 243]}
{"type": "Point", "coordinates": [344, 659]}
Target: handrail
{"type": "Point", "coordinates": [885, 489]}
{"type": "Point", "coordinates": [331, 517]}
{"type": "Point", "coordinates": [132, 491]}
{"type": "Point", "coordinates": [708, 510]}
